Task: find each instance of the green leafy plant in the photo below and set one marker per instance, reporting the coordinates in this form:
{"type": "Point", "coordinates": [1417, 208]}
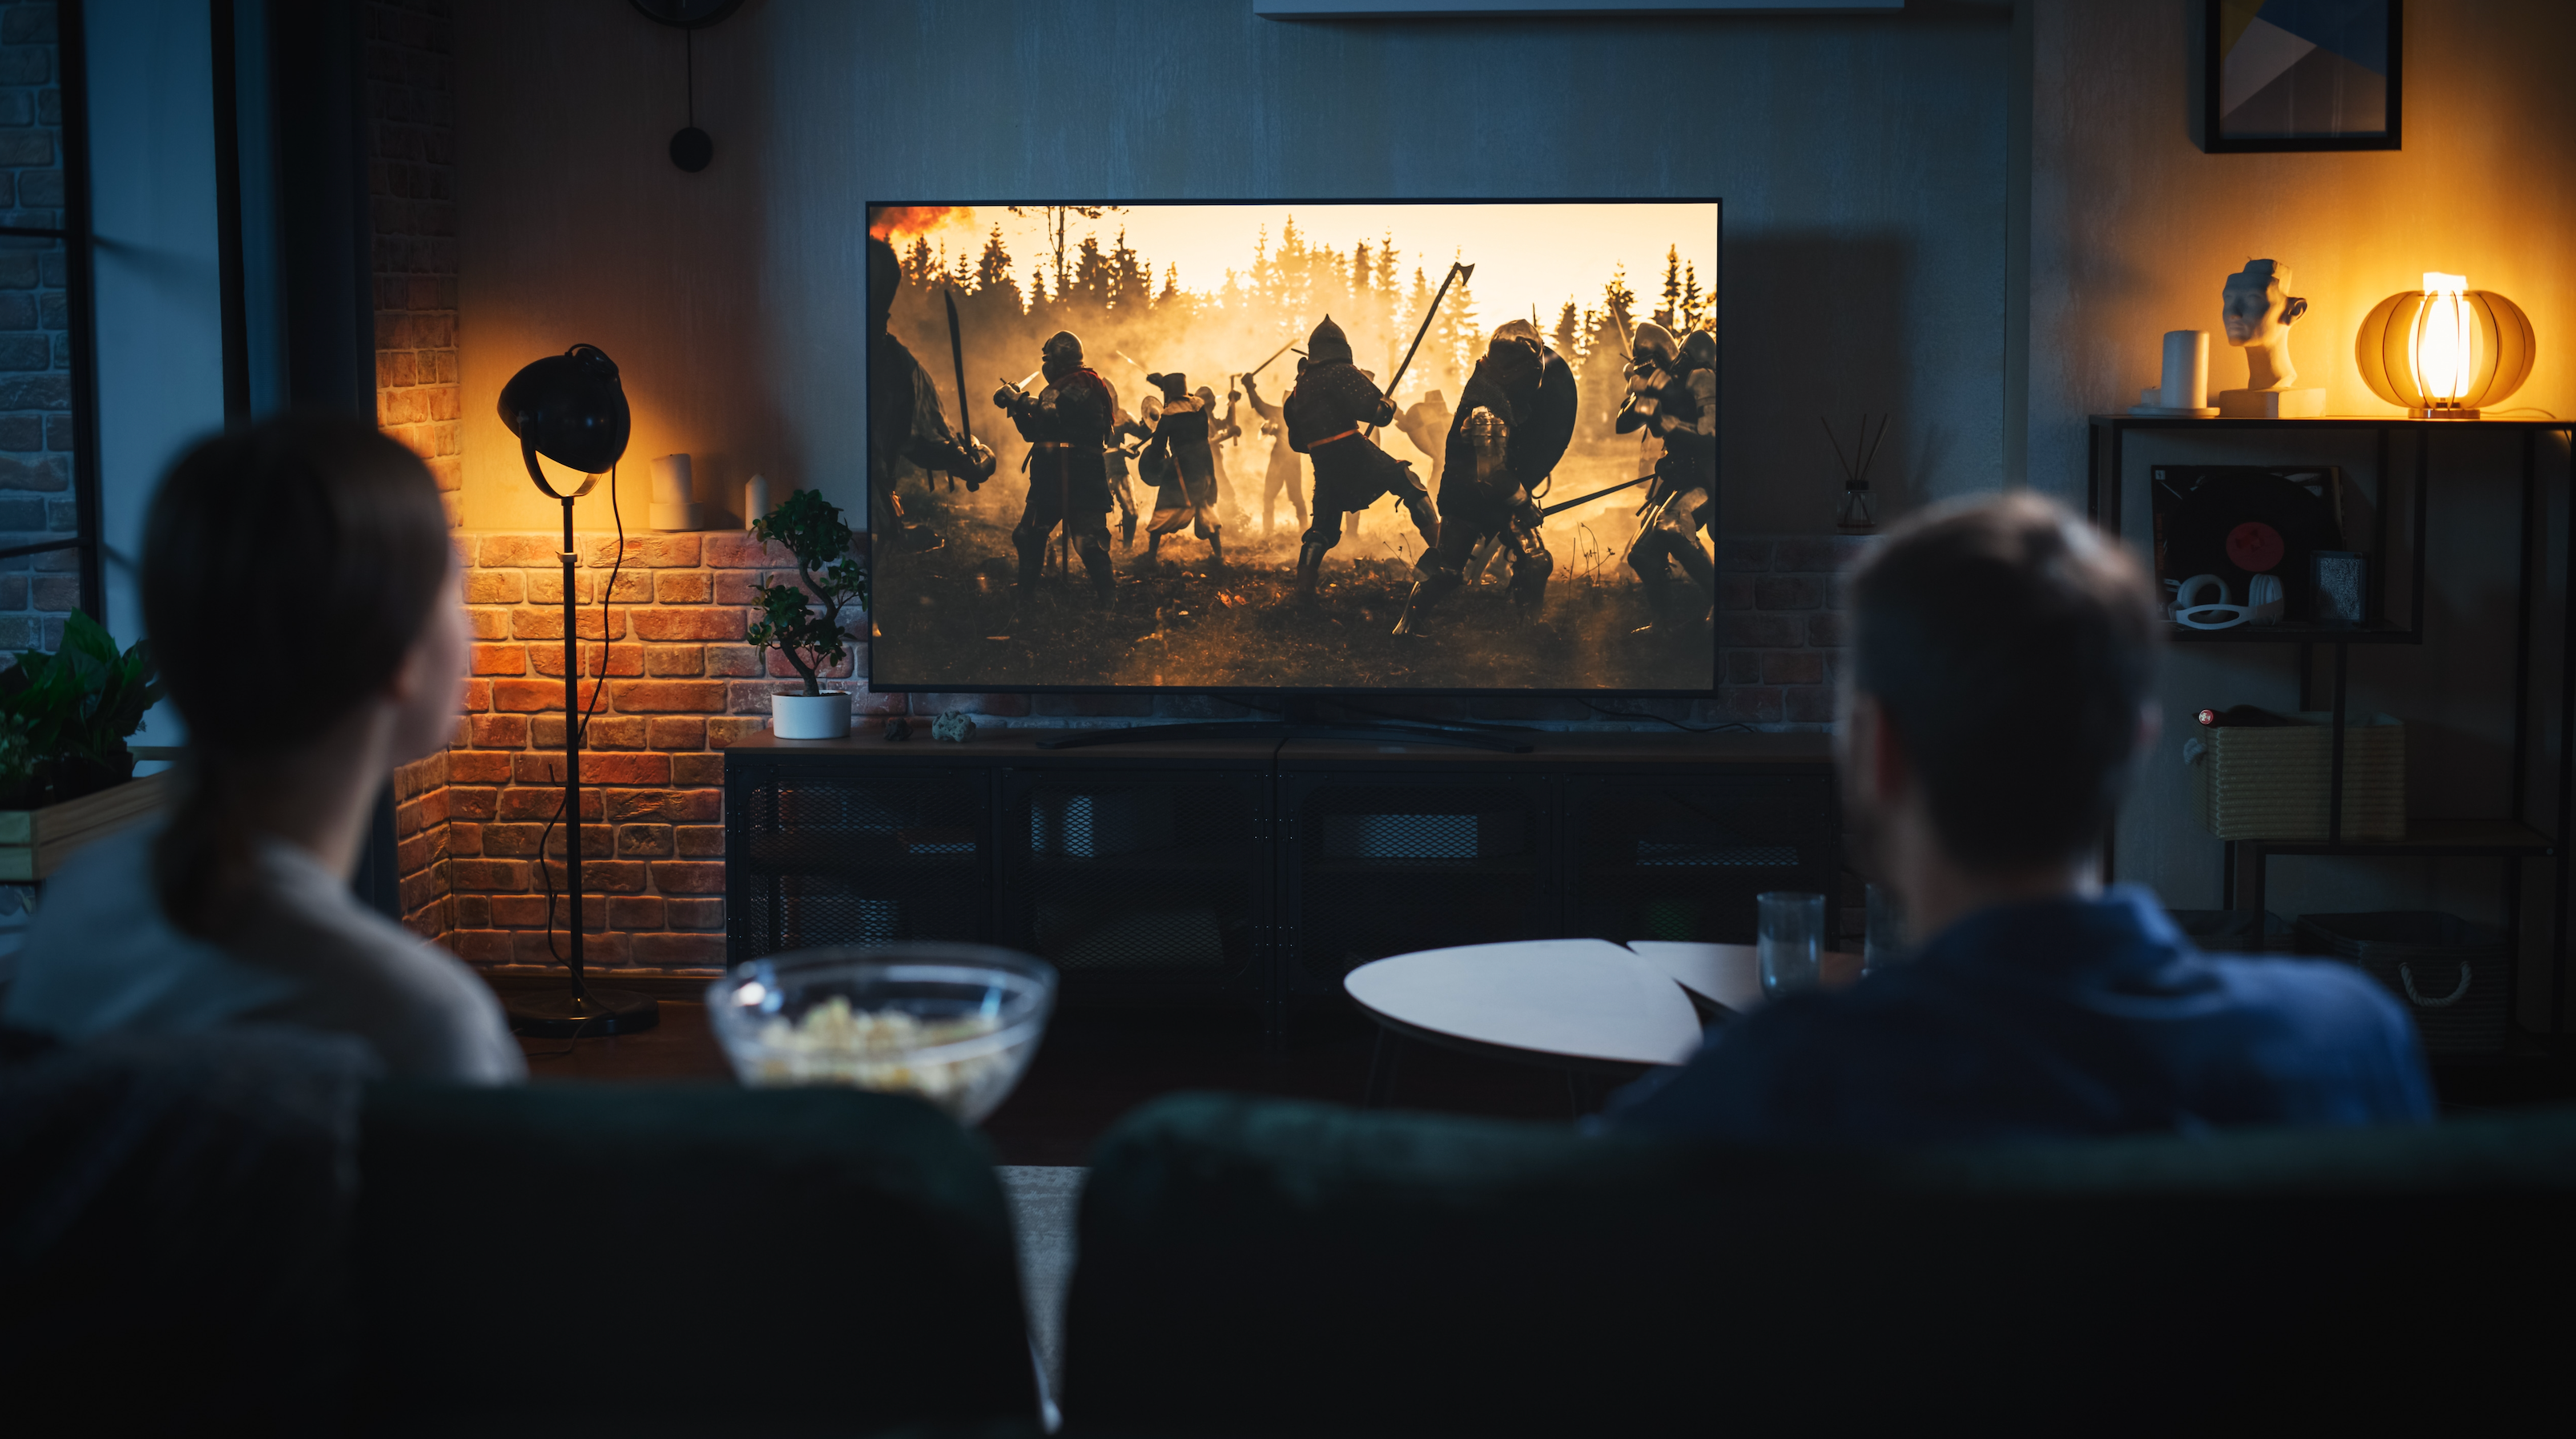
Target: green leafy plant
{"type": "Point", "coordinates": [804, 624]}
{"type": "Point", "coordinates": [65, 717]}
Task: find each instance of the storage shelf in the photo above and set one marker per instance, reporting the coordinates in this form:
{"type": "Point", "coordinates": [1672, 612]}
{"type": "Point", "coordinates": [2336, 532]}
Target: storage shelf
{"type": "Point", "coordinates": [2428, 837]}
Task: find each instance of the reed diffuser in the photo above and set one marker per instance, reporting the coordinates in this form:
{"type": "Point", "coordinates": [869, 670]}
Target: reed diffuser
{"type": "Point", "coordinates": [1857, 509]}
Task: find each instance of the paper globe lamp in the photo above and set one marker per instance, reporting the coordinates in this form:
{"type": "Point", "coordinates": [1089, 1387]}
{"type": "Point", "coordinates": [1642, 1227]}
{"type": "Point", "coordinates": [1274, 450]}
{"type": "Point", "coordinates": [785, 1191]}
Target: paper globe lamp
{"type": "Point", "coordinates": [2446, 351]}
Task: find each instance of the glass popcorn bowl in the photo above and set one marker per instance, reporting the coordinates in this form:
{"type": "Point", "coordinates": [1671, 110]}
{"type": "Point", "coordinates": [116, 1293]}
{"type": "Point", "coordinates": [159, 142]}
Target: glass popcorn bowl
{"type": "Point", "coordinates": [955, 1024]}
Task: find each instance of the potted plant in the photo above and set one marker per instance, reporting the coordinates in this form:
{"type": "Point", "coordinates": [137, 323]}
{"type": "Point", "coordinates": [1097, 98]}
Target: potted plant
{"type": "Point", "coordinates": [64, 764]}
{"type": "Point", "coordinates": [804, 623]}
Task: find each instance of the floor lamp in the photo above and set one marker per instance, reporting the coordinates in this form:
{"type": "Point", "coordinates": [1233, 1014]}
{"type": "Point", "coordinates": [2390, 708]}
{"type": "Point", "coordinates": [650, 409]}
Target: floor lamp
{"type": "Point", "coordinates": [571, 409]}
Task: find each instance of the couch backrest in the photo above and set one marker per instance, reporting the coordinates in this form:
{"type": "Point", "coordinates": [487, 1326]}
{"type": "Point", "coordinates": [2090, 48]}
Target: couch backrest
{"type": "Point", "coordinates": [682, 1260]}
{"type": "Point", "coordinates": [1260, 1267]}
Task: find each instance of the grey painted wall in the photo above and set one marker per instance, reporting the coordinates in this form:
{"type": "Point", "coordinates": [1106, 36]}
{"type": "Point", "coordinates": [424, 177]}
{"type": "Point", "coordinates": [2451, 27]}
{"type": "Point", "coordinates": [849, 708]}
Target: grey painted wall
{"type": "Point", "coordinates": [1860, 158]}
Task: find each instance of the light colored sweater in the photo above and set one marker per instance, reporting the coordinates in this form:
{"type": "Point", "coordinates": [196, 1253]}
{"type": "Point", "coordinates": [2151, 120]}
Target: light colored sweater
{"type": "Point", "coordinates": [101, 958]}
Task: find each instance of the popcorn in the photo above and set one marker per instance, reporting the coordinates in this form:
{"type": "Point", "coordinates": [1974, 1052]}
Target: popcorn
{"type": "Point", "coordinates": [878, 1049]}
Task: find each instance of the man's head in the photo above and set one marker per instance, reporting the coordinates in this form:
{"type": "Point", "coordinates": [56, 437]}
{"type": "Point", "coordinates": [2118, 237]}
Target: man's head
{"type": "Point", "coordinates": [1652, 346]}
{"type": "Point", "coordinates": [2001, 682]}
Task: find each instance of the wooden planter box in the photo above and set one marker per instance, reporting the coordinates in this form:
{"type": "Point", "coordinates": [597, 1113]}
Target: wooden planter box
{"type": "Point", "coordinates": [34, 842]}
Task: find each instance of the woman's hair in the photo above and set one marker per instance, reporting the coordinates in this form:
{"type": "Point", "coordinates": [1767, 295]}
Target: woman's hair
{"type": "Point", "coordinates": [287, 569]}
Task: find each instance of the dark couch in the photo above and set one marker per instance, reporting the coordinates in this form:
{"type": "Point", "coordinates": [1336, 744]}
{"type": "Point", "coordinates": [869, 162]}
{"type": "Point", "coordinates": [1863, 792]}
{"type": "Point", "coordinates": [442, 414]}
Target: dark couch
{"type": "Point", "coordinates": [233, 1233]}
{"type": "Point", "coordinates": [1257, 1267]}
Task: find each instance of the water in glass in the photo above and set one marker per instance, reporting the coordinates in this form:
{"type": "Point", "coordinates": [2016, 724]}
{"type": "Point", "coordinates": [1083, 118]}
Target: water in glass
{"type": "Point", "coordinates": [1791, 936]}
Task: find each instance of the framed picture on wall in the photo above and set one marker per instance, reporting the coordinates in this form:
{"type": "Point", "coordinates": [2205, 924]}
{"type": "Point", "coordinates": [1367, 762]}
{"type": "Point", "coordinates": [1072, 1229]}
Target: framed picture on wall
{"type": "Point", "coordinates": [2300, 75]}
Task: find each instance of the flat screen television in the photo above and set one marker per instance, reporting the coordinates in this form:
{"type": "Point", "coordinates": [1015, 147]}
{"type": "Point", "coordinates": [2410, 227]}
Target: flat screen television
{"type": "Point", "coordinates": [1202, 319]}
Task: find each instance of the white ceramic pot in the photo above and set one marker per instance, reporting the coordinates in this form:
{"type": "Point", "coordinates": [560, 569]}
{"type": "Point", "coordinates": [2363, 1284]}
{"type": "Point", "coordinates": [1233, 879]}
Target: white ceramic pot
{"type": "Point", "coordinates": [809, 716]}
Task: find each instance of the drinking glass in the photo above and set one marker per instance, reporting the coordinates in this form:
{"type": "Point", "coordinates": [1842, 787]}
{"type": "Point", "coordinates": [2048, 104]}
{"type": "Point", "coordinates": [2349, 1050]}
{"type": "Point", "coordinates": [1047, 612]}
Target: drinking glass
{"type": "Point", "coordinates": [1884, 942]}
{"type": "Point", "coordinates": [1791, 940]}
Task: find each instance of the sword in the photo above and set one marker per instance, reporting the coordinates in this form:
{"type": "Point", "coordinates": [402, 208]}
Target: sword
{"type": "Point", "coordinates": [957, 357]}
{"type": "Point", "coordinates": [1275, 354]}
{"type": "Point", "coordinates": [1596, 494]}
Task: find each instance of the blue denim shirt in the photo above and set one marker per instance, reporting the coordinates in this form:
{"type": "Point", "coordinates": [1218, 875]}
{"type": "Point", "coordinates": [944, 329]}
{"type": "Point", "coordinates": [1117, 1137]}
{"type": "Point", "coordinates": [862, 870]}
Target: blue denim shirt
{"type": "Point", "coordinates": [2059, 1018]}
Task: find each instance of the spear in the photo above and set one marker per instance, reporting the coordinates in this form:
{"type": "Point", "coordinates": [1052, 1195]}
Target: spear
{"type": "Point", "coordinates": [957, 358]}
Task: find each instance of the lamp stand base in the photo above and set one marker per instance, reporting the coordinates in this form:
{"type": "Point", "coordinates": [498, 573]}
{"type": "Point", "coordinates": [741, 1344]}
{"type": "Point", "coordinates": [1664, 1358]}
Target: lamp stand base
{"type": "Point", "coordinates": [2442, 412]}
{"type": "Point", "coordinates": [583, 1016]}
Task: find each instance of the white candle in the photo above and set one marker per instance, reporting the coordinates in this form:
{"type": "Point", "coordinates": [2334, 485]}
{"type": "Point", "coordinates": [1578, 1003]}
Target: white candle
{"type": "Point", "coordinates": [671, 490]}
{"type": "Point", "coordinates": [2186, 376]}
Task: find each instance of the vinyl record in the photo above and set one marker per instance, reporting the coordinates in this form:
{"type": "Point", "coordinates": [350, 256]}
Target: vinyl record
{"type": "Point", "coordinates": [2239, 523]}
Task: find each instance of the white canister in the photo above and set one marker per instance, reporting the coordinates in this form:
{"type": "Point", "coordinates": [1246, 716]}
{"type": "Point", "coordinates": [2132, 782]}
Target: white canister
{"type": "Point", "coordinates": [2186, 374]}
{"type": "Point", "coordinates": [755, 500]}
{"type": "Point", "coordinates": [823, 716]}
{"type": "Point", "coordinates": [672, 486]}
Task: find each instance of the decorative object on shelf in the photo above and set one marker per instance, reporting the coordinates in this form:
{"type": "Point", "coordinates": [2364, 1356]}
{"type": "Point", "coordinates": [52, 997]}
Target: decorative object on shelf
{"type": "Point", "coordinates": [692, 149]}
{"type": "Point", "coordinates": [956, 727]}
{"type": "Point", "coordinates": [2268, 781]}
{"type": "Point", "coordinates": [897, 729]}
{"type": "Point", "coordinates": [2184, 388]}
{"type": "Point", "coordinates": [673, 482]}
{"type": "Point", "coordinates": [2199, 614]}
{"type": "Point", "coordinates": [2445, 351]}
{"type": "Point", "coordinates": [1857, 508]}
{"type": "Point", "coordinates": [755, 500]}
{"type": "Point", "coordinates": [2238, 523]}
{"type": "Point", "coordinates": [2259, 310]}
{"type": "Point", "coordinates": [803, 622]}
{"type": "Point", "coordinates": [2264, 600]}
{"type": "Point", "coordinates": [2342, 586]}
{"type": "Point", "coordinates": [571, 408]}
{"type": "Point", "coordinates": [2299, 76]}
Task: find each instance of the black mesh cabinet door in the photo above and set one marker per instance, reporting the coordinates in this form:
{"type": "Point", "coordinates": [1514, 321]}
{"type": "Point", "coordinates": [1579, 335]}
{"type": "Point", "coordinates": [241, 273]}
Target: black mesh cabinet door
{"type": "Point", "coordinates": [1682, 858]}
{"type": "Point", "coordinates": [823, 851]}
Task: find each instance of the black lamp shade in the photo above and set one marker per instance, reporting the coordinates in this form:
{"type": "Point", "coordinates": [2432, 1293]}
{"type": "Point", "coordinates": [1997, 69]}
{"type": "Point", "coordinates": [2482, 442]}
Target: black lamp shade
{"type": "Point", "coordinates": [569, 408]}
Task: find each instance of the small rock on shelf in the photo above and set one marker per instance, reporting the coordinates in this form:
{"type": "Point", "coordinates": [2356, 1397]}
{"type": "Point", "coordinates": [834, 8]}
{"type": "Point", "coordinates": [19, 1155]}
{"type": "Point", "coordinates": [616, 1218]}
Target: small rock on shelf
{"type": "Point", "coordinates": [953, 727]}
{"type": "Point", "coordinates": [897, 728]}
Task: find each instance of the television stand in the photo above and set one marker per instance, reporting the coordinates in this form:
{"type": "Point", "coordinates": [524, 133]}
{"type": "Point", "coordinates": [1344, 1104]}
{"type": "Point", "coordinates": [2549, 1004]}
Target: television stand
{"type": "Point", "coordinates": [1300, 721]}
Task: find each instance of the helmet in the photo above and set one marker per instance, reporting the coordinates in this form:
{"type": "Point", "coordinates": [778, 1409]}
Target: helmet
{"type": "Point", "coordinates": [1061, 355]}
{"type": "Point", "coordinates": [1207, 396]}
{"type": "Point", "coordinates": [1173, 385]}
{"type": "Point", "coordinates": [1653, 345]}
{"type": "Point", "coordinates": [1328, 344]}
{"type": "Point", "coordinates": [885, 276]}
{"type": "Point", "coordinates": [1699, 351]}
{"type": "Point", "coordinates": [1518, 330]}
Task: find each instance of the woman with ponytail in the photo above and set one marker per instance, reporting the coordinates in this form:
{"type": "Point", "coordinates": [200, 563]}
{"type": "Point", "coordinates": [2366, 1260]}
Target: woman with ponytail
{"type": "Point", "coordinates": [303, 600]}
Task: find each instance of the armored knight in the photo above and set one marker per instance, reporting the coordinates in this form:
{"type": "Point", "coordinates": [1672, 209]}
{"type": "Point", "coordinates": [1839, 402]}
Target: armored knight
{"type": "Point", "coordinates": [904, 419]}
{"type": "Point", "coordinates": [1672, 395]}
{"type": "Point", "coordinates": [1114, 464]}
{"type": "Point", "coordinates": [1333, 399]}
{"type": "Point", "coordinates": [1286, 471]}
{"type": "Point", "coordinates": [1427, 422]}
{"type": "Point", "coordinates": [1515, 418]}
{"type": "Point", "coordinates": [1067, 426]}
{"type": "Point", "coordinates": [1188, 470]}
{"type": "Point", "coordinates": [1222, 431]}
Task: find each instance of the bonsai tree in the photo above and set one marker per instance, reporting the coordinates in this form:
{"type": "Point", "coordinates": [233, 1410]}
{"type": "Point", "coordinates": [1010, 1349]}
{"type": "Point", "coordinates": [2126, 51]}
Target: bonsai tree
{"type": "Point", "coordinates": [65, 717]}
{"type": "Point", "coordinates": [804, 624]}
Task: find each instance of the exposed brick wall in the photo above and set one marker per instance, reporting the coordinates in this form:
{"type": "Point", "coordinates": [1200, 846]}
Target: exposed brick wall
{"type": "Point", "coordinates": [675, 684]}
{"type": "Point", "coordinates": [36, 592]}
{"type": "Point", "coordinates": [411, 157]}
{"type": "Point", "coordinates": [411, 160]}
{"type": "Point", "coordinates": [1783, 626]}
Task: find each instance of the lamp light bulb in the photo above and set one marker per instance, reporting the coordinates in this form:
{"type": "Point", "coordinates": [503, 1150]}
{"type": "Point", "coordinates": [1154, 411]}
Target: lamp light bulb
{"type": "Point", "coordinates": [2443, 350]}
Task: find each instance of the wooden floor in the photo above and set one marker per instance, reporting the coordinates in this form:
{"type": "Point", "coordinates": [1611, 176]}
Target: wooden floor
{"type": "Point", "coordinates": [1095, 1065]}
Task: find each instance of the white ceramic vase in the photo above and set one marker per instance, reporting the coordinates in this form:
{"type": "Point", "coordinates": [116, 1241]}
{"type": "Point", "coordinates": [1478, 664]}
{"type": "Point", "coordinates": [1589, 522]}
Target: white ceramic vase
{"type": "Point", "coordinates": [824, 716]}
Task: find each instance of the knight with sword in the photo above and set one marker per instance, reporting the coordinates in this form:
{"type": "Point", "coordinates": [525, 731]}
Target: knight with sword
{"type": "Point", "coordinates": [1067, 425]}
{"type": "Point", "coordinates": [904, 421]}
{"type": "Point", "coordinates": [1672, 396]}
{"type": "Point", "coordinates": [1332, 416]}
{"type": "Point", "coordinates": [1515, 418]}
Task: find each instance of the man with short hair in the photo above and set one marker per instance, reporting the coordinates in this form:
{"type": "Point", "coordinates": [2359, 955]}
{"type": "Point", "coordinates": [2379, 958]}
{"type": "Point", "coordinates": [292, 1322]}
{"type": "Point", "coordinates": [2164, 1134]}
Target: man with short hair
{"type": "Point", "coordinates": [2001, 687]}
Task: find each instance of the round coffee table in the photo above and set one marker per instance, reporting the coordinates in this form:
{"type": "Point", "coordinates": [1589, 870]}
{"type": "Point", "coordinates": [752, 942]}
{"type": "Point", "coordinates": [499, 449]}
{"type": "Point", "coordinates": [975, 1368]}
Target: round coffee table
{"type": "Point", "coordinates": [1585, 1006]}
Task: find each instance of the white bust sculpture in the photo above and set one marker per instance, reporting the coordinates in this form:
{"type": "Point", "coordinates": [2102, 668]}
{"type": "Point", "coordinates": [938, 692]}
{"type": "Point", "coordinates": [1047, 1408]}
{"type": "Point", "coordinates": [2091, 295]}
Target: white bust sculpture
{"type": "Point", "coordinates": [2257, 310]}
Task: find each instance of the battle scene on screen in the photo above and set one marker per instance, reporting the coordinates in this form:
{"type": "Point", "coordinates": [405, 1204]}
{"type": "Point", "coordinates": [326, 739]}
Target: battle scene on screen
{"type": "Point", "coordinates": [1317, 447]}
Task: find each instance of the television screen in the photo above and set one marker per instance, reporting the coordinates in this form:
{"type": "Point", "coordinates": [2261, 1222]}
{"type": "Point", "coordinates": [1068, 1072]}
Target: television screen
{"type": "Point", "coordinates": [1436, 447]}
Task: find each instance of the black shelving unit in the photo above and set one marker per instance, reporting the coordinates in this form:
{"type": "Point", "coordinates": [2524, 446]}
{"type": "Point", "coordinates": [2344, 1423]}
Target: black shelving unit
{"type": "Point", "coordinates": [2512, 837]}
